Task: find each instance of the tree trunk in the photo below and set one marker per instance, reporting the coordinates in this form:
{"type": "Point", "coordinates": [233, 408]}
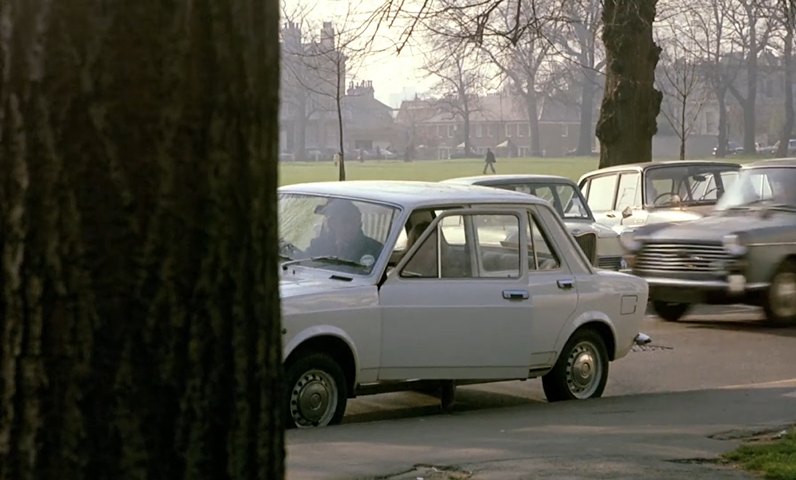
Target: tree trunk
{"type": "Point", "coordinates": [140, 329]}
{"type": "Point", "coordinates": [586, 133]}
{"type": "Point", "coordinates": [533, 122]}
{"type": "Point", "coordinates": [721, 95]}
{"type": "Point", "coordinates": [631, 103]}
{"type": "Point", "coordinates": [787, 129]}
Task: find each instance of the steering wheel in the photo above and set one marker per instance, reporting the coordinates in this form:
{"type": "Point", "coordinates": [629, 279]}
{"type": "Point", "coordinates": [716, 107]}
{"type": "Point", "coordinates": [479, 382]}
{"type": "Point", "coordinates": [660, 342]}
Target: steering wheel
{"type": "Point", "coordinates": [704, 195]}
{"type": "Point", "coordinates": [664, 195]}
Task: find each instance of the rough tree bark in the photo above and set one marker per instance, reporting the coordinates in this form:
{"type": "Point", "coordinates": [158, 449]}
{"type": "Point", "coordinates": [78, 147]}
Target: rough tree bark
{"type": "Point", "coordinates": [630, 103]}
{"type": "Point", "coordinates": [139, 308]}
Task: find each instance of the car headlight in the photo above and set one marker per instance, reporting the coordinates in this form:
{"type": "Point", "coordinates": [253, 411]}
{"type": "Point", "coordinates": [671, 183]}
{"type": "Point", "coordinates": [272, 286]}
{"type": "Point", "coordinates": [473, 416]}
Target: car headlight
{"type": "Point", "coordinates": [629, 241]}
{"type": "Point", "coordinates": [734, 244]}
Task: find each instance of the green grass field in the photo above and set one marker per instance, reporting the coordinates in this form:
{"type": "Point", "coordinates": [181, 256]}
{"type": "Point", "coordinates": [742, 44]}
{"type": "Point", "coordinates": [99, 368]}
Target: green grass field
{"type": "Point", "coordinates": [431, 170]}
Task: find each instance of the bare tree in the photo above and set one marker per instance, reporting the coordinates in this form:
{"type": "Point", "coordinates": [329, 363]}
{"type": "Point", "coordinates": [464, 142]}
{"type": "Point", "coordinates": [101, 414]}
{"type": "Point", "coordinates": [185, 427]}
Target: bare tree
{"type": "Point", "coordinates": [140, 327]}
{"type": "Point", "coordinates": [322, 64]}
{"type": "Point", "coordinates": [631, 103]}
{"type": "Point", "coordinates": [680, 80]}
{"type": "Point", "coordinates": [751, 27]}
{"type": "Point", "coordinates": [578, 42]}
{"type": "Point", "coordinates": [786, 10]}
{"type": "Point", "coordinates": [458, 67]}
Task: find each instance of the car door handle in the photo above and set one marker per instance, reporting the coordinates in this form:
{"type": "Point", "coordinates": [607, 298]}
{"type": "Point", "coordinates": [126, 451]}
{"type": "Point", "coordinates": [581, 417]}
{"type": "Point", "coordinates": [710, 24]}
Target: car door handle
{"type": "Point", "coordinates": [515, 294]}
{"type": "Point", "coordinates": [565, 283]}
{"type": "Point", "coordinates": [610, 215]}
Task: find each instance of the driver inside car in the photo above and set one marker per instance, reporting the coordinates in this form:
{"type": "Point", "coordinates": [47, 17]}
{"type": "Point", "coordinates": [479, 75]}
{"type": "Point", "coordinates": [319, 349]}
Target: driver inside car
{"type": "Point", "coordinates": [342, 237]}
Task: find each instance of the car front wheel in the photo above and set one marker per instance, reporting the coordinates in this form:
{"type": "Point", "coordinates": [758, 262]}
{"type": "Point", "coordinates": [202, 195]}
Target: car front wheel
{"type": "Point", "coordinates": [316, 391]}
{"type": "Point", "coordinates": [780, 300]}
{"type": "Point", "coordinates": [581, 370]}
{"type": "Point", "coordinates": [670, 311]}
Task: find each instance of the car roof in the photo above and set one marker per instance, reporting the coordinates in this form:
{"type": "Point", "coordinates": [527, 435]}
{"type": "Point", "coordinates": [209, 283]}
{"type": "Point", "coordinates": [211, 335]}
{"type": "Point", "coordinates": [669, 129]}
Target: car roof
{"type": "Point", "coordinates": [772, 162]}
{"type": "Point", "coordinates": [642, 166]}
{"type": "Point", "coordinates": [507, 178]}
{"type": "Point", "coordinates": [411, 193]}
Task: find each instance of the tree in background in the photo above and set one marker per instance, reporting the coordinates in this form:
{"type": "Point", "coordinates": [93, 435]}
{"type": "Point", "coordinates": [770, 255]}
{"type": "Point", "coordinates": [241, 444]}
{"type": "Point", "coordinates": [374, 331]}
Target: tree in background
{"type": "Point", "coordinates": [787, 15]}
{"type": "Point", "coordinates": [140, 329]}
{"type": "Point", "coordinates": [680, 80]}
{"type": "Point", "coordinates": [750, 28]}
{"type": "Point", "coordinates": [460, 75]}
{"type": "Point", "coordinates": [578, 42]}
{"type": "Point", "coordinates": [631, 103]}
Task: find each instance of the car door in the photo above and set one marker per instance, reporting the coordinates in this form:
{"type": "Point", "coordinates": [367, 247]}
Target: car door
{"type": "Point", "coordinates": [471, 318]}
{"type": "Point", "coordinates": [600, 195]}
{"type": "Point", "coordinates": [629, 207]}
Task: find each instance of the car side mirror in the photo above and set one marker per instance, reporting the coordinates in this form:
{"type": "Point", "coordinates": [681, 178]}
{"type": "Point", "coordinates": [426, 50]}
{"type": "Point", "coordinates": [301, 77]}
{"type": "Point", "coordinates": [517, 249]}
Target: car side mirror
{"type": "Point", "coordinates": [627, 212]}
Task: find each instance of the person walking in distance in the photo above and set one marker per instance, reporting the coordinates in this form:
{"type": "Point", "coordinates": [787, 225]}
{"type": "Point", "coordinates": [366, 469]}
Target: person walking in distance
{"type": "Point", "coordinates": [489, 161]}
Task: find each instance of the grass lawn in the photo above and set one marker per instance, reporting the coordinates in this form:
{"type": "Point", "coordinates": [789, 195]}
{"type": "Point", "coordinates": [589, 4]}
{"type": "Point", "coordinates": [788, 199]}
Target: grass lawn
{"type": "Point", "coordinates": [433, 170]}
{"type": "Point", "coordinates": [775, 458]}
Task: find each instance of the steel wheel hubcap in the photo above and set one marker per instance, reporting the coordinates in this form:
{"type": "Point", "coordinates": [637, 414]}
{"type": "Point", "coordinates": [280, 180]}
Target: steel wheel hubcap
{"type": "Point", "coordinates": [313, 399]}
{"type": "Point", "coordinates": [783, 295]}
{"type": "Point", "coordinates": [584, 370]}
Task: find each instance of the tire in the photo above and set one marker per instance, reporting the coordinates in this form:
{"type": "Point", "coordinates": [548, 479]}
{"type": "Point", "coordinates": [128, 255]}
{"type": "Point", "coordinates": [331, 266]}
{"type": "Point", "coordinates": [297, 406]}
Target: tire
{"type": "Point", "coordinates": [779, 302]}
{"type": "Point", "coordinates": [581, 370]}
{"type": "Point", "coordinates": [670, 311]}
{"type": "Point", "coordinates": [316, 391]}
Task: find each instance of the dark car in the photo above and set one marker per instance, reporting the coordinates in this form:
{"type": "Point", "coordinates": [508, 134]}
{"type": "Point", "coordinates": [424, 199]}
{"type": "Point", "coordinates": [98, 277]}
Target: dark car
{"type": "Point", "coordinates": [742, 252]}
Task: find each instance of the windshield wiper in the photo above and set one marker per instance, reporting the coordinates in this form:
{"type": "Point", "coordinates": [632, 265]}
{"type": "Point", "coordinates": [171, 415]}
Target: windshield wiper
{"type": "Point", "coordinates": [327, 259]}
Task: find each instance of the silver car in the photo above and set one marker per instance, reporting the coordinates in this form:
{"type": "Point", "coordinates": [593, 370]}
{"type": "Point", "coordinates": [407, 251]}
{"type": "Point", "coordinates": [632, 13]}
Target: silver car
{"type": "Point", "coordinates": [600, 243]}
{"type": "Point", "coordinates": [487, 286]}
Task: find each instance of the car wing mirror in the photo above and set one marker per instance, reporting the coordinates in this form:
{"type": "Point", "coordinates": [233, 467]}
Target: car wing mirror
{"type": "Point", "coordinates": [627, 212]}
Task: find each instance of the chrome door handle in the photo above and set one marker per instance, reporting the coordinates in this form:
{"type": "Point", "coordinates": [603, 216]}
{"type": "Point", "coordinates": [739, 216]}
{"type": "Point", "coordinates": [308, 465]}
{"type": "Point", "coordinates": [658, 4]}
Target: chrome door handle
{"type": "Point", "coordinates": [565, 283]}
{"type": "Point", "coordinates": [515, 294]}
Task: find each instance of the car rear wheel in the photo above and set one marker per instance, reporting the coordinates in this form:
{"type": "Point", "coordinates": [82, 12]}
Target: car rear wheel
{"type": "Point", "coordinates": [670, 311]}
{"type": "Point", "coordinates": [581, 370]}
{"type": "Point", "coordinates": [780, 299]}
{"type": "Point", "coordinates": [316, 391]}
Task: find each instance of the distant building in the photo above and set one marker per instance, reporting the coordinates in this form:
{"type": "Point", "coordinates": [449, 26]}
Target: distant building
{"type": "Point", "coordinates": [500, 122]}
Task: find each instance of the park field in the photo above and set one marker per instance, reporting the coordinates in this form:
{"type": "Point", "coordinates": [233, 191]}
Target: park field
{"type": "Point", "coordinates": [431, 170]}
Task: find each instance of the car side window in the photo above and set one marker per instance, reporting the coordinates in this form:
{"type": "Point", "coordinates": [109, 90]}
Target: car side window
{"type": "Point", "coordinates": [601, 193]}
{"type": "Point", "coordinates": [498, 249]}
{"type": "Point", "coordinates": [444, 253]}
{"type": "Point", "coordinates": [629, 192]}
{"type": "Point", "coordinates": [541, 255]}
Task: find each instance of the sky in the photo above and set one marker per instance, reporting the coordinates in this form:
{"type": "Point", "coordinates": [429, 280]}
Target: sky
{"type": "Point", "coordinates": [394, 77]}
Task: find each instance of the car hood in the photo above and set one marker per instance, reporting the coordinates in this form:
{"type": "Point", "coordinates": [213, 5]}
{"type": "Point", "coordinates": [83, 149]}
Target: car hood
{"type": "Point", "coordinates": [296, 284]}
{"type": "Point", "coordinates": [713, 227]}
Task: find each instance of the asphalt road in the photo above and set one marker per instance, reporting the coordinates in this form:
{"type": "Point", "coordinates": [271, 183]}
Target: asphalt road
{"type": "Point", "coordinates": [669, 410]}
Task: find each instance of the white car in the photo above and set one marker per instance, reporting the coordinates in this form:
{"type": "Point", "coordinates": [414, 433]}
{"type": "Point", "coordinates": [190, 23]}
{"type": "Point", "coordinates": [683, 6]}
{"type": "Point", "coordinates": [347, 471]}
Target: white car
{"type": "Point", "coordinates": [394, 285]}
{"type": "Point", "coordinates": [600, 243]}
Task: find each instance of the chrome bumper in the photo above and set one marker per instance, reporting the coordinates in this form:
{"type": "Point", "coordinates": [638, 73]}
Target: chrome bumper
{"type": "Point", "coordinates": [734, 284]}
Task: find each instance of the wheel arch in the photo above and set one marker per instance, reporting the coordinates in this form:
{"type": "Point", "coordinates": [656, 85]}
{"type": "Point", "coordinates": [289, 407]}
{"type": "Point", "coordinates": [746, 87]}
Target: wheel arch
{"type": "Point", "coordinates": [603, 328]}
{"type": "Point", "coordinates": [334, 346]}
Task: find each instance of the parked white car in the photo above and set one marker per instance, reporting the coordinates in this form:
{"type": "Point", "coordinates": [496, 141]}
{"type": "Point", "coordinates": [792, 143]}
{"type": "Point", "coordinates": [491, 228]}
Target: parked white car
{"type": "Point", "coordinates": [599, 242]}
{"type": "Point", "coordinates": [395, 285]}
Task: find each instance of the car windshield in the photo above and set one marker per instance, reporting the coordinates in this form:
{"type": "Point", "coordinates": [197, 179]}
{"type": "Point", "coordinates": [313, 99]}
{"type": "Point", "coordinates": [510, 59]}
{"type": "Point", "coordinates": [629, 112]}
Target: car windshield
{"type": "Point", "coordinates": [688, 185]}
{"type": "Point", "coordinates": [566, 199]}
{"type": "Point", "coordinates": [761, 186]}
{"type": "Point", "coordinates": [332, 233]}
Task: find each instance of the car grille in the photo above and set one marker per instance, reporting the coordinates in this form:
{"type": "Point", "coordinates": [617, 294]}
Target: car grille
{"type": "Point", "coordinates": [609, 263]}
{"type": "Point", "coordinates": [588, 243]}
{"type": "Point", "coordinates": [691, 258]}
